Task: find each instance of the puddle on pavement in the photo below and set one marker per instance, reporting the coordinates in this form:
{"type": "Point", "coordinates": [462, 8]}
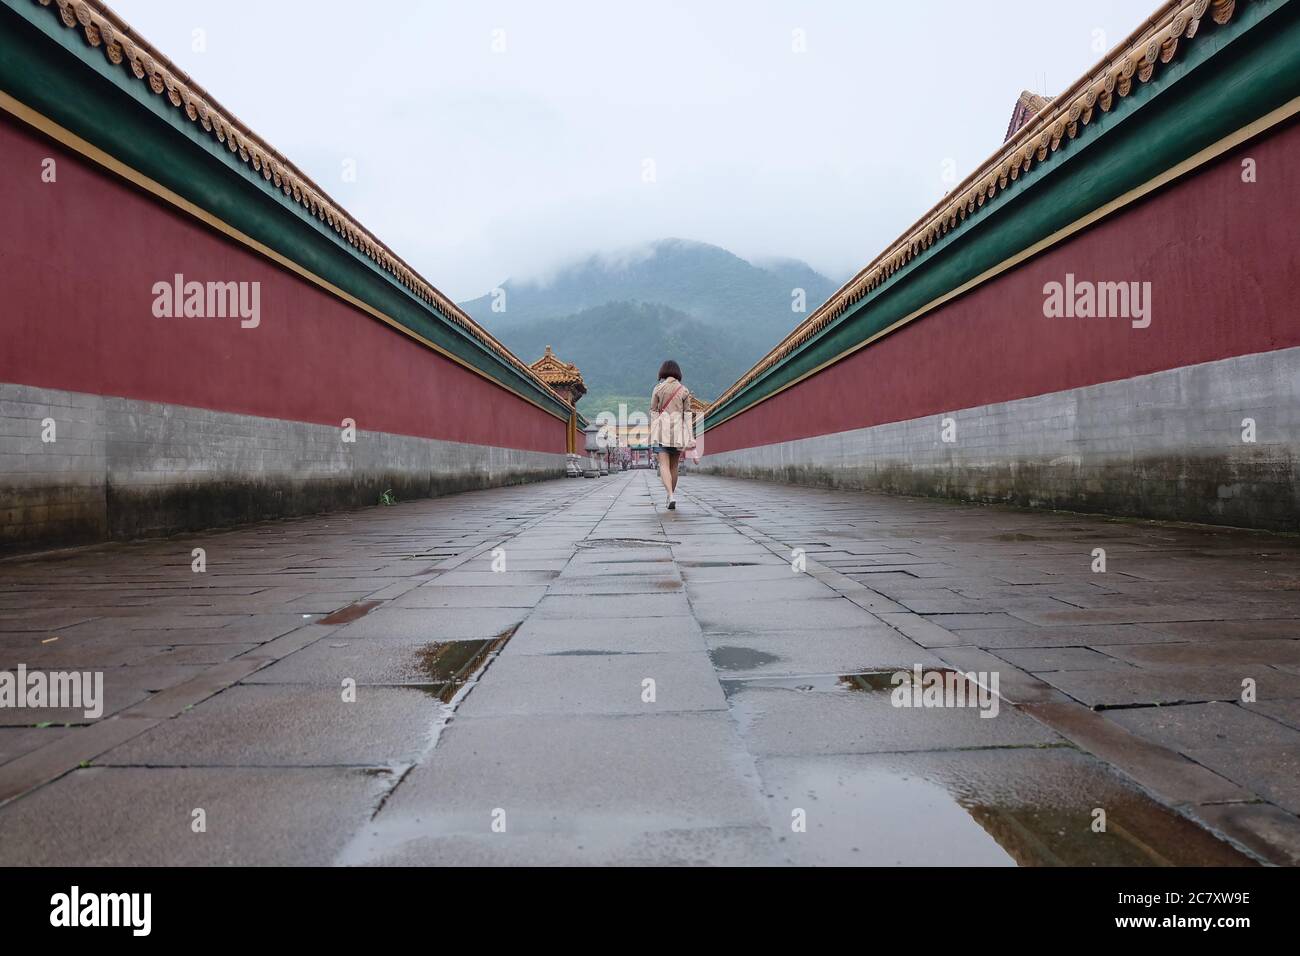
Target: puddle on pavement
{"type": "Point", "coordinates": [718, 564]}
{"type": "Point", "coordinates": [740, 658]}
{"type": "Point", "coordinates": [822, 683]}
{"type": "Point", "coordinates": [995, 807]}
{"type": "Point", "coordinates": [450, 665]}
{"type": "Point", "coordinates": [353, 612]}
{"type": "Point", "coordinates": [998, 806]}
{"type": "Point", "coordinates": [587, 653]}
{"type": "Point", "coordinates": [445, 693]}
{"type": "Point", "coordinates": [634, 561]}
{"type": "Point", "coordinates": [625, 543]}
{"type": "Point", "coordinates": [459, 661]}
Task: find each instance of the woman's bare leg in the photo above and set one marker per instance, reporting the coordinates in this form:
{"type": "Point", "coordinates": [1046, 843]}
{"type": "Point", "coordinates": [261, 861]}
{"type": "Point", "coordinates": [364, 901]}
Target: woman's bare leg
{"type": "Point", "coordinates": [666, 471]}
{"type": "Point", "coordinates": [674, 460]}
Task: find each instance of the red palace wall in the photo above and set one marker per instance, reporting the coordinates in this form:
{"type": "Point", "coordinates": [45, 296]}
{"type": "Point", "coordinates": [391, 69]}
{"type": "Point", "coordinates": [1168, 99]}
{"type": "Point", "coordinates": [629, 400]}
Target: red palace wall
{"type": "Point", "coordinates": [79, 258]}
{"type": "Point", "coordinates": [1223, 260]}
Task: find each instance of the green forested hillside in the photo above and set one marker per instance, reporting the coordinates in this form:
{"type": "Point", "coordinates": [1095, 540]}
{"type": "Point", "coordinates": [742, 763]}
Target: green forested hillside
{"type": "Point", "coordinates": [617, 317]}
{"type": "Point", "coordinates": [620, 345]}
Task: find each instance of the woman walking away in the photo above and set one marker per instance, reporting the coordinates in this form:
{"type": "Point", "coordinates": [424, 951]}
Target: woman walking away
{"type": "Point", "coordinates": [671, 428]}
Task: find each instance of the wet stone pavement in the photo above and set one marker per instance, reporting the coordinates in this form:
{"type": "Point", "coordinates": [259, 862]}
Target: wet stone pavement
{"type": "Point", "coordinates": [567, 673]}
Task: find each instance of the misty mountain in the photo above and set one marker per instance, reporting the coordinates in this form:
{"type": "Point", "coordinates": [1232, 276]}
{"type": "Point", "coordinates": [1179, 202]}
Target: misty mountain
{"type": "Point", "coordinates": [700, 280]}
{"type": "Point", "coordinates": [618, 316]}
{"type": "Point", "coordinates": [620, 345]}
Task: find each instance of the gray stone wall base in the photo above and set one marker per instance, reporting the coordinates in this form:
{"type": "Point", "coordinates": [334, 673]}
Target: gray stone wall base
{"type": "Point", "coordinates": [121, 468]}
{"type": "Point", "coordinates": [1167, 445]}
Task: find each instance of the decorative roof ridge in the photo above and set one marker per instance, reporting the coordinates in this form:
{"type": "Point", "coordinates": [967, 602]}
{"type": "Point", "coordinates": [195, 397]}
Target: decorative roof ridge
{"type": "Point", "coordinates": [1035, 101]}
{"type": "Point", "coordinates": [1156, 39]}
{"type": "Point", "coordinates": [550, 361]}
{"type": "Point", "coordinates": [558, 373]}
{"type": "Point", "coordinates": [121, 44]}
{"type": "Point", "coordinates": [1028, 105]}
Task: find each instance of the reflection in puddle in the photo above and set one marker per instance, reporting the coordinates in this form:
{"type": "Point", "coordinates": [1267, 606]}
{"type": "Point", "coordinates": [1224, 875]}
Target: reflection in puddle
{"type": "Point", "coordinates": [583, 653]}
{"type": "Point", "coordinates": [822, 683]}
{"type": "Point", "coordinates": [353, 612]}
{"type": "Point", "coordinates": [1005, 807]}
{"type": "Point", "coordinates": [740, 658]}
{"type": "Point", "coordinates": [452, 660]}
{"type": "Point", "coordinates": [993, 805]}
{"type": "Point", "coordinates": [450, 665]}
{"type": "Point", "coordinates": [599, 543]}
{"type": "Point", "coordinates": [873, 817]}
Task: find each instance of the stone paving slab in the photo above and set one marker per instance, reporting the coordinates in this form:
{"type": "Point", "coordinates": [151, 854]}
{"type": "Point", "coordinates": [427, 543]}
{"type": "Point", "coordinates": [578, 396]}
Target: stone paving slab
{"type": "Point", "coordinates": [827, 612]}
{"type": "Point", "coordinates": [16, 741]}
{"type": "Point", "coordinates": [1283, 711]}
{"type": "Point", "coordinates": [922, 632]}
{"type": "Point", "coordinates": [796, 588]}
{"type": "Point", "coordinates": [144, 817]}
{"type": "Point", "coordinates": [613, 607]}
{"type": "Point", "coordinates": [1243, 746]}
{"type": "Point", "coordinates": [1270, 832]}
{"type": "Point", "coordinates": [1096, 635]}
{"type": "Point", "coordinates": [1210, 726]}
{"type": "Point", "coordinates": [614, 585]}
{"type": "Point", "coordinates": [1222, 653]}
{"type": "Point", "coordinates": [1015, 686]}
{"type": "Point", "coordinates": [435, 594]}
{"type": "Point", "coordinates": [611, 846]}
{"type": "Point", "coordinates": [57, 652]}
{"type": "Point", "coordinates": [485, 577]}
{"type": "Point", "coordinates": [618, 571]}
{"type": "Point", "coordinates": [829, 715]}
{"type": "Point", "coordinates": [651, 635]}
{"type": "Point", "coordinates": [596, 684]}
{"type": "Point", "coordinates": [752, 665]}
{"type": "Point", "coordinates": [242, 629]}
{"type": "Point", "coordinates": [1039, 659]}
{"type": "Point", "coordinates": [1171, 684]}
{"type": "Point", "coordinates": [1254, 630]}
{"type": "Point", "coordinates": [671, 771]}
{"type": "Point", "coordinates": [276, 726]}
{"type": "Point", "coordinates": [1273, 773]}
{"type": "Point", "coordinates": [366, 660]}
{"type": "Point", "coordinates": [707, 572]}
{"type": "Point", "coordinates": [434, 624]}
{"type": "Point", "coordinates": [118, 696]}
{"type": "Point", "coordinates": [196, 653]}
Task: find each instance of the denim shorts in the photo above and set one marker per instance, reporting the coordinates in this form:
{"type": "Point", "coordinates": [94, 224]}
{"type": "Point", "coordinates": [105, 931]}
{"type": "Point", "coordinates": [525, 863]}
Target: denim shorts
{"type": "Point", "coordinates": [658, 448]}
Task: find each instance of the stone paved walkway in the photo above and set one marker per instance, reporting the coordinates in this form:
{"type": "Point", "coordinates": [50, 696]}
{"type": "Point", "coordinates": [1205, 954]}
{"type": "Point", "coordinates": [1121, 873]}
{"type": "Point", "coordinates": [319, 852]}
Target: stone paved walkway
{"type": "Point", "coordinates": [567, 673]}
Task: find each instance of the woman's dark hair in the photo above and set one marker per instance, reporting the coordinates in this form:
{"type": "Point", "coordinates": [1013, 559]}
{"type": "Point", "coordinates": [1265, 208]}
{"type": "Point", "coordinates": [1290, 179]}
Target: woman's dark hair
{"type": "Point", "coordinates": [670, 368]}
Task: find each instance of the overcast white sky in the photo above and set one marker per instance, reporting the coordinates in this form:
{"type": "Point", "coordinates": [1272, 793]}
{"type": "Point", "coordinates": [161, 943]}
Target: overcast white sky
{"type": "Point", "coordinates": [477, 165]}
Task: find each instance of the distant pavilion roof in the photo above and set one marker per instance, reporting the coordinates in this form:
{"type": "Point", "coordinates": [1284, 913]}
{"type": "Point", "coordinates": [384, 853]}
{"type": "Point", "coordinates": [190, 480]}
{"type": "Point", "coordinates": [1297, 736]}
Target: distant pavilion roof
{"type": "Point", "coordinates": [557, 373]}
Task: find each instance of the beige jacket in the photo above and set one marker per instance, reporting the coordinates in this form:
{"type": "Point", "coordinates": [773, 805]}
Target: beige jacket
{"type": "Point", "coordinates": [671, 421]}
